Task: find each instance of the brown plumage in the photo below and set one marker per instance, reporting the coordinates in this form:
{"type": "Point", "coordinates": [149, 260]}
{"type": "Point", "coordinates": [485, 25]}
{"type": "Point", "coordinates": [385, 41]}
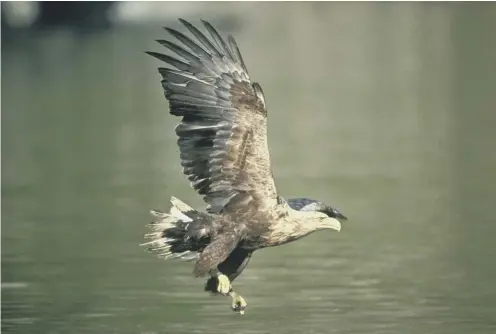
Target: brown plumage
{"type": "Point", "coordinates": [224, 153]}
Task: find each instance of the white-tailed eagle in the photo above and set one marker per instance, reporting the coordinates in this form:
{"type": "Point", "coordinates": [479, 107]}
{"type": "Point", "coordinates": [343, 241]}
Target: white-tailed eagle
{"type": "Point", "coordinates": [224, 153]}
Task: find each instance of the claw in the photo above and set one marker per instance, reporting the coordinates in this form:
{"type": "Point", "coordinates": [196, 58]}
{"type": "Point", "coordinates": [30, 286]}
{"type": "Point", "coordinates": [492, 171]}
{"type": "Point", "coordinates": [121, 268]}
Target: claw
{"type": "Point", "coordinates": [238, 303]}
{"type": "Point", "coordinates": [224, 285]}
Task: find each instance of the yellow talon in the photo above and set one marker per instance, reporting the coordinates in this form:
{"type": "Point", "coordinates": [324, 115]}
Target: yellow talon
{"type": "Point", "coordinates": [224, 285]}
{"type": "Point", "coordinates": [239, 303]}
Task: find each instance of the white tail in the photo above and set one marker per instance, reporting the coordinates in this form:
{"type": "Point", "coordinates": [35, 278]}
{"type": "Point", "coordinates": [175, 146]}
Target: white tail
{"type": "Point", "coordinates": [167, 237]}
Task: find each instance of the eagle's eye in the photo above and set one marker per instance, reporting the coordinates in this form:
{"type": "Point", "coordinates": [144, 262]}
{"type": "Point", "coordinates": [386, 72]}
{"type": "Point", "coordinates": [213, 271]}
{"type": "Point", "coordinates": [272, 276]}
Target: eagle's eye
{"type": "Point", "coordinates": [334, 213]}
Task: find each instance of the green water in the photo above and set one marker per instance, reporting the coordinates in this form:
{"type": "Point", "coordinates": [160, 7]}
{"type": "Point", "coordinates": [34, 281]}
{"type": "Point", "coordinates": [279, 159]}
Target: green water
{"type": "Point", "coordinates": [386, 111]}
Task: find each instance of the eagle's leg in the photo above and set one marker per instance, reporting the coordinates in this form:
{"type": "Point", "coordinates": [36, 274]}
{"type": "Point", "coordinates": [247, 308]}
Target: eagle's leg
{"type": "Point", "coordinates": [223, 284]}
{"type": "Point", "coordinates": [230, 269]}
{"type": "Point", "coordinates": [220, 283]}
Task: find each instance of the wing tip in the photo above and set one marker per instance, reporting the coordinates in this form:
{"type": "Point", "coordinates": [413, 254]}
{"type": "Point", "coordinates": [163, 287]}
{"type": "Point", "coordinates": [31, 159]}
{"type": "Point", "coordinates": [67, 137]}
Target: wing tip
{"type": "Point", "coordinates": [184, 22]}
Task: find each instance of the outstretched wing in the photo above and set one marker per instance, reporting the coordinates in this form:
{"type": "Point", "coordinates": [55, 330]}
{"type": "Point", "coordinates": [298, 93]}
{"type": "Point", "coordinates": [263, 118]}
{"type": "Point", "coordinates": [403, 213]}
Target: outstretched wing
{"type": "Point", "coordinates": [223, 132]}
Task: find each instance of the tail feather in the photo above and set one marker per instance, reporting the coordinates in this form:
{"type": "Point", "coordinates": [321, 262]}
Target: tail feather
{"type": "Point", "coordinates": [180, 206]}
{"type": "Point", "coordinates": [170, 233]}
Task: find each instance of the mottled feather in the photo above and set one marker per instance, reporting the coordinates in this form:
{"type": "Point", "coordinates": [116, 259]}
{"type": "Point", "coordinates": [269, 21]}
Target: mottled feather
{"type": "Point", "coordinates": [216, 252]}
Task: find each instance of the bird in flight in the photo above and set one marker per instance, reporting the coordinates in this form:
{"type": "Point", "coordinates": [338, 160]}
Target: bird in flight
{"type": "Point", "coordinates": [222, 139]}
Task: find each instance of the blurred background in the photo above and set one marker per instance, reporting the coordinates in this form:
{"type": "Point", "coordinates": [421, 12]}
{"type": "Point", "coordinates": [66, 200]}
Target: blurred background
{"type": "Point", "coordinates": [384, 110]}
